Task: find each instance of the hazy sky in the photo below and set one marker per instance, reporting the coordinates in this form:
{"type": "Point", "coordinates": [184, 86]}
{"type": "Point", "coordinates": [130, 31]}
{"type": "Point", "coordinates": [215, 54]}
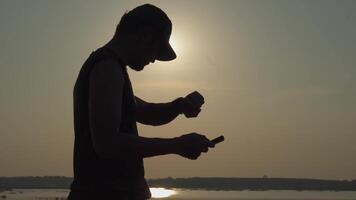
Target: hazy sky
{"type": "Point", "coordinates": [279, 80]}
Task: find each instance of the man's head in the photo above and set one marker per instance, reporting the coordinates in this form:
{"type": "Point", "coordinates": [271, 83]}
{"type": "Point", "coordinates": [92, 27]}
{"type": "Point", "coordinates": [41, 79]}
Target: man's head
{"type": "Point", "coordinates": [146, 31]}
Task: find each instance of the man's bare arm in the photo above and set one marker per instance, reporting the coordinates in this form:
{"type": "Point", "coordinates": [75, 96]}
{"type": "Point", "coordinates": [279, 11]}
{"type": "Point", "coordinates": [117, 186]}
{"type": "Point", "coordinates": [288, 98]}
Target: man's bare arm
{"type": "Point", "coordinates": [105, 99]}
{"type": "Point", "coordinates": [156, 114]}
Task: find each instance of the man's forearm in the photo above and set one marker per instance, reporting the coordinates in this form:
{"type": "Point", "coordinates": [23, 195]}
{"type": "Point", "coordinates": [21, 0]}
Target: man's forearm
{"type": "Point", "coordinates": [161, 113]}
{"type": "Point", "coordinates": [127, 146]}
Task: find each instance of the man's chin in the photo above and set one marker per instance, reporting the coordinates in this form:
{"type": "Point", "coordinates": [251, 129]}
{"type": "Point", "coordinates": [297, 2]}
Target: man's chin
{"type": "Point", "coordinates": [140, 68]}
{"type": "Point", "coordinates": [137, 67]}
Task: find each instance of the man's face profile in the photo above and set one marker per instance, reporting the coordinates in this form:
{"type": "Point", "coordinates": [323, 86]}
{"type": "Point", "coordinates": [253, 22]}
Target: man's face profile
{"type": "Point", "coordinates": [144, 48]}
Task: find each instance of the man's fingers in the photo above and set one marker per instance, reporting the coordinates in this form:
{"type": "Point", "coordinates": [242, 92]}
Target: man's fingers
{"type": "Point", "coordinates": [198, 100]}
{"type": "Point", "coordinates": [195, 156]}
{"type": "Point", "coordinates": [198, 97]}
{"type": "Point", "coordinates": [210, 144]}
{"type": "Point", "coordinates": [191, 103]}
{"type": "Point", "coordinates": [196, 112]}
{"type": "Point", "coordinates": [206, 142]}
{"type": "Point", "coordinates": [195, 99]}
{"type": "Point", "coordinates": [193, 114]}
{"type": "Point", "coordinates": [205, 149]}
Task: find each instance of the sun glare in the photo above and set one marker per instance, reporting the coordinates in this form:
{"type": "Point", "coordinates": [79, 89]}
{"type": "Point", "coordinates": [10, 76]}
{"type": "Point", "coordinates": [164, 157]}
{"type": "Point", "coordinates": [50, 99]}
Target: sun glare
{"type": "Point", "coordinates": [176, 44]}
{"type": "Point", "coordinates": [161, 192]}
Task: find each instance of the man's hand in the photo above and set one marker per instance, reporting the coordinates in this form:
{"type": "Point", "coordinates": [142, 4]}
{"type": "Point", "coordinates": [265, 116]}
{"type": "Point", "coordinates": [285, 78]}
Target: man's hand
{"type": "Point", "coordinates": [191, 104]}
{"type": "Point", "coordinates": [192, 145]}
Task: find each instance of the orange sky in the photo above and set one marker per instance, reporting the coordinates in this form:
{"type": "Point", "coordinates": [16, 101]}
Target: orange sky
{"type": "Point", "coordinates": [278, 79]}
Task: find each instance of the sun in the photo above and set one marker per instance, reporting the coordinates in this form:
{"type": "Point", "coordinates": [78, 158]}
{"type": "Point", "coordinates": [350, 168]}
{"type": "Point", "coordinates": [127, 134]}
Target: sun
{"type": "Point", "coordinates": [161, 192]}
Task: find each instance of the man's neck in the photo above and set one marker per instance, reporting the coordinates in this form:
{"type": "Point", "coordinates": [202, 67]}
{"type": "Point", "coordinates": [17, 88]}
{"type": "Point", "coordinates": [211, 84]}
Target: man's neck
{"type": "Point", "coordinates": [118, 49]}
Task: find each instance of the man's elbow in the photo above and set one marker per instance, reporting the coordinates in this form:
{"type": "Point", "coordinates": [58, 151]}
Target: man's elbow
{"type": "Point", "coordinates": [155, 123]}
{"type": "Point", "coordinates": [149, 122]}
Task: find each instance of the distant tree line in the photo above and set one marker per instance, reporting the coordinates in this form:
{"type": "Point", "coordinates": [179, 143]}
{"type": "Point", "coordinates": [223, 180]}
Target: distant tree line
{"type": "Point", "coordinates": [202, 183]}
{"type": "Point", "coordinates": [254, 184]}
{"type": "Point", "coordinates": [35, 182]}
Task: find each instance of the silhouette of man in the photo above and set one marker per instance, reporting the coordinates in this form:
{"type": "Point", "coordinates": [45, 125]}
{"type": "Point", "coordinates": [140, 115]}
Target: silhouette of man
{"type": "Point", "coordinates": [108, 152]}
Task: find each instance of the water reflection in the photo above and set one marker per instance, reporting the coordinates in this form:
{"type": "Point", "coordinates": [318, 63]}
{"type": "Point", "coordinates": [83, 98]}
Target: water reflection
{"type": "Point", "coordinates": [161, 192]}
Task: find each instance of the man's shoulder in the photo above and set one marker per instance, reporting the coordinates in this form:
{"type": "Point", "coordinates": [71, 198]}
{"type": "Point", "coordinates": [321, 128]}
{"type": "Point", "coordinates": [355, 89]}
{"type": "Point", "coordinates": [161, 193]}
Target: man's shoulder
{"type": "Point", "coordinates": [109, 69]}
{"type": "Point", "coordinates": [109, 62]}
{"type": "Point", "coordinates": [103, 56]}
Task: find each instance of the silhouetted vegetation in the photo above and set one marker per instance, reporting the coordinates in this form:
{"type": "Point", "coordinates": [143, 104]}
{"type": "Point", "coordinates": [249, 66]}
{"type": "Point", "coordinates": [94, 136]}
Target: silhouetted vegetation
{"type": "Point", "coordinates": [254, 184]}
{"type": "Point", "coordinates": [213, 183]}
{"type": "Point", "coordinates": [35, 182]}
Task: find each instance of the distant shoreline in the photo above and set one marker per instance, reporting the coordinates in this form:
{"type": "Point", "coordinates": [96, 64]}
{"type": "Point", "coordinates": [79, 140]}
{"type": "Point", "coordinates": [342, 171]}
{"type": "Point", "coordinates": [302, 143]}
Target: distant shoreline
{"type": "Point", "coordinates": [194, 183]}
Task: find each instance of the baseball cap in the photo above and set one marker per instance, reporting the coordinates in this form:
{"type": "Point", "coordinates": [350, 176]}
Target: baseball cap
{"type": "Point", "coordinates": [152, 15]}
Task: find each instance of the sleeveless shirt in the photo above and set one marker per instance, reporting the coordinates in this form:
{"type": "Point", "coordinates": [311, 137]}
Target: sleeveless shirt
{"type": "Point", "coordinates": [94, 173]}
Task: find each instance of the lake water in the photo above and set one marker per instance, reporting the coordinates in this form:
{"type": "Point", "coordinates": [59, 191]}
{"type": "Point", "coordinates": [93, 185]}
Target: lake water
{"type": "Point", "coordinates": [61, 194]}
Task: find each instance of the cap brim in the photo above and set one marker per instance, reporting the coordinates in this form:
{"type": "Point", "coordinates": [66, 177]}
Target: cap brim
{"type": "Point", "coordinates": [166, 54]}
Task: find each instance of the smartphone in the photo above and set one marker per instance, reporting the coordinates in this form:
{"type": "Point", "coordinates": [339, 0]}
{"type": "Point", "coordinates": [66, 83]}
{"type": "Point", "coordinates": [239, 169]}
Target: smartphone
{"type": "Point", "coordinates": [218, 139]}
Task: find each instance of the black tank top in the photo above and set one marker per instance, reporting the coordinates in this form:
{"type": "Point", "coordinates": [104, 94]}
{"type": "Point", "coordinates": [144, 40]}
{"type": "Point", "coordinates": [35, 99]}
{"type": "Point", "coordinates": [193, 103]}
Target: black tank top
{"type": "Point", "coordinates": [94, 173]}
